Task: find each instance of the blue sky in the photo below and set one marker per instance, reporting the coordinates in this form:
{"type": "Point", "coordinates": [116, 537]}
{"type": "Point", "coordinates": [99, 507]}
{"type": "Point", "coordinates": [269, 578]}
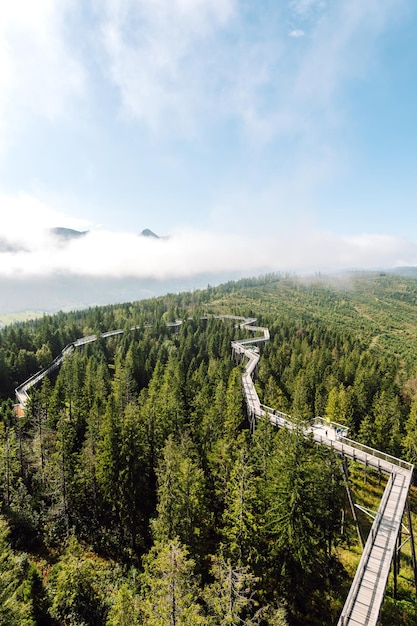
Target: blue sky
{"type": "Point", "coordinates": [260, 135]}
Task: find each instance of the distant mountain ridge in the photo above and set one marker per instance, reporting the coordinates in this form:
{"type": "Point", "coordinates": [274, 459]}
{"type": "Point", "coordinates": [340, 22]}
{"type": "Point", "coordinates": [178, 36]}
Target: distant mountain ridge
{"type": "Point", "coordinates": [66, 234]}
{"type": "Point", "coordinates": [147, 232]}
{"type": "Point", "coordinates": [410, 271]}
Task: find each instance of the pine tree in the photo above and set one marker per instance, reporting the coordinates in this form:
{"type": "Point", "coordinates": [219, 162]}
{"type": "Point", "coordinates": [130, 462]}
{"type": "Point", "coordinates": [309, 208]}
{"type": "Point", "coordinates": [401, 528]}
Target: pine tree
{"type": "Point", "coordinates": [38, 411]}
{"type": "Point", "coordinates": [9, 463]}
{"type": "Point", "coordinates": [182, 499]}
{"type": "Point", "coordinates": [234, 404]}
{"type": "Point", "coordinates": [125, 608]}
{"type": "Point", "coordinates": [301, 406]}
{"type": "Point", "coordinates": [78, 587]}
{"type": "Point", "coordinates": [338, 408]}
{"type": "Point", "coordinates": [135, 499]}
{"type": "Point", "coordinates": [169, 592]}
{"type": "Point", "coordinates": [366, 432]}
{"type": "Point", "coordinates": [59, 475]}
{"type": "Point", "coordinates": [304, 499]}
{"type": "Point", "coordinates": [240, 530]}
{"type": "Point", "coordinates": [108, 454]}
{"type": "Point", "coordinates": [16, 607]}
{"type": "Point", "coordinates": [232, 596]}
{"type": "Point", "coordinates": [410, 439]}
{"type": "Point", "coordinates": [387, 414]}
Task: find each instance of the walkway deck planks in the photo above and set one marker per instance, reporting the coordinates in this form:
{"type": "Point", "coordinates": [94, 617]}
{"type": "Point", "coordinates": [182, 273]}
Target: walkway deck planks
{"type": "Point", "coordinates": [364, 601]}
{"type": "Point", "coordinates": [367, 591]}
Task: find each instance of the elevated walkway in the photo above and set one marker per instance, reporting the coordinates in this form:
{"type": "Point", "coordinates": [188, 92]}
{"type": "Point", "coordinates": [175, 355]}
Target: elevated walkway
{"type": "Point", "coordinates": [21, 392]}
{"type": "Point", "coordinates": [364, 601]}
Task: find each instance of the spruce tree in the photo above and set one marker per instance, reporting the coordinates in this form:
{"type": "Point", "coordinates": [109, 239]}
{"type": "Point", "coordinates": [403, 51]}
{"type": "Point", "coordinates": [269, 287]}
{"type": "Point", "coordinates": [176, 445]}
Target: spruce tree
{"type": "Point", "coordinates": [169, 591]}
{"type": "Point", "coordinates": [16, 607]}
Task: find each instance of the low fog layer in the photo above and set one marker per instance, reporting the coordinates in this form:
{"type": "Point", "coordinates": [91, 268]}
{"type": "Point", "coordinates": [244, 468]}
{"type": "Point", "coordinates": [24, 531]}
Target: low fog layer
{"type": "Point", "coordinates": [31, 249]}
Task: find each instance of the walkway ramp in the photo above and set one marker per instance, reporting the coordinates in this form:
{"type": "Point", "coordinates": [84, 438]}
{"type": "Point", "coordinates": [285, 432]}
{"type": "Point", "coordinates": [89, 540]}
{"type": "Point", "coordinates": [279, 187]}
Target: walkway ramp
{"type": "Point", "coordinates": [366, 594]}
{"type": "Point", "coordinates": [363, 604]}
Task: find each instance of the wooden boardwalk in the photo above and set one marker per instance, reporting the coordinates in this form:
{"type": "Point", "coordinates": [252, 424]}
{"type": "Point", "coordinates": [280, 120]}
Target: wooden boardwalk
{"type": "Point", "coordinates": [363, 604]}
{"type": "Point", "coordinates": [364, 601]}
{"type": "Point", "coordinates": [367, 591]}
{"type": "Point", "coordinates": [21, 391]}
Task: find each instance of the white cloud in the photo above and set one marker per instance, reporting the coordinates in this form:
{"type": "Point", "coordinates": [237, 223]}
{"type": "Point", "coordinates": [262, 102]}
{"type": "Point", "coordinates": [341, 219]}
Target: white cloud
{"type": "Point", "coordinates": [24, 220]}
{"type": "Point", "coordinates": [303, 8]}
{"type": "Point", "coordinates": [157, 53]}
{"type": "Point", "coordinates": [179, 64]}
{"type": "Point", "coordinates": [342, 44]}
{"type": "Point", "coordinates": [39, 73]}
{"type": "Point", "coordinates": [187, 253]}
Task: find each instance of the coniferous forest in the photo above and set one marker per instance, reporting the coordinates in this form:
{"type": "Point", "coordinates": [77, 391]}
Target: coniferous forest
{"type": "Point", "coordinates": [132, 491]}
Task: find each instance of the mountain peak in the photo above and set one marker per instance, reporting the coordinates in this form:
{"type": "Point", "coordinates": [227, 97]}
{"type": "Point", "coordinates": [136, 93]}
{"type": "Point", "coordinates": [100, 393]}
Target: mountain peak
{"type": "Point", "coordinates": [149, 233]}
{"type": "Point", "coordinates": [66, 234]}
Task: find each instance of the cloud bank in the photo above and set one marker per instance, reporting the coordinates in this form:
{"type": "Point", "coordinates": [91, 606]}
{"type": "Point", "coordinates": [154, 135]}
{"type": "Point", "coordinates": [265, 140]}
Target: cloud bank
{"type": "Point", "coordinates": [40, 74]}
{"type": "Point", "coordinates": [29, 249]}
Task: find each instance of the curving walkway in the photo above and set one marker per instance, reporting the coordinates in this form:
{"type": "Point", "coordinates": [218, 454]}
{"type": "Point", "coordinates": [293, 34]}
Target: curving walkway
{"type": "Point", "coordinates": [363, 604]}
{"type": "Point", "coordinates": [21, 391]}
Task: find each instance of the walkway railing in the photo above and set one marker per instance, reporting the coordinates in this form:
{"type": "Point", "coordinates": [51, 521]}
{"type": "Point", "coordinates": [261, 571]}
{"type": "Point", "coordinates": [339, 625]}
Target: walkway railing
{"type": "Point", "coordinates": [363, 604]}
{"type": "Point", "coordinates": [378, 454]}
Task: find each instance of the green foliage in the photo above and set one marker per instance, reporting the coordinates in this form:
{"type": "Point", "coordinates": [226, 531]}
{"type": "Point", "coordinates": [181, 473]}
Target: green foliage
{"type": "Point", "coordinates": [9, 464]}
{"type": "Point", "coordinates": [125, 608]}
{"type": "Point", "coordinates": [144, 436]}
{"type": "Point", "coordinates": [400, 613]}
{"type": "Point", "coordinates": [339, 406]}
{"type": "Point", "coordinates": [240, 523]}
{"type": "Point", "coordinates": [169, 591]}
{"type": "Point", "coordinates": [16, 608]}
{"type": "Point", "coordinates": [304, 500]}
{"type": "Point", "coordinates": [182, 507]}
{"type": "Point", "coordinates": [231, 598]}
{"type": "Point", "coordinates": [78, 586]}
{"type": "Point", "coordinates": [410, 440]}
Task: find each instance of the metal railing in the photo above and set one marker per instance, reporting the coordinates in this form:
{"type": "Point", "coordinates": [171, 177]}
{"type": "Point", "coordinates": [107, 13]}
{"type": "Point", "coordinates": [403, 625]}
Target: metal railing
{"type": "Point", "coordinates": [344, 446]}
{"type": "Point", "coordinates": [378, 454]}
{"type": "Point", "coordinates": [367, 450]}
{"type": "Point", "coordinates": [360, 571]}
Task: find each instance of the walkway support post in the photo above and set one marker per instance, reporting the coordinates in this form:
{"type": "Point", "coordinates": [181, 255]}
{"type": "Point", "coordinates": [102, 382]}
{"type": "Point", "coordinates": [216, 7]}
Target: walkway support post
{"type": "Point", "coordinates": [395, 570]}
{"type": "Point", "coordinates": [413, 548]}
{"type": "Point", "coordinates": [351, 501]}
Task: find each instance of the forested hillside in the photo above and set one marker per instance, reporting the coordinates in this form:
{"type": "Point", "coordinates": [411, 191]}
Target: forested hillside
{"type": "Point", "coordinates": [133, 492]}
